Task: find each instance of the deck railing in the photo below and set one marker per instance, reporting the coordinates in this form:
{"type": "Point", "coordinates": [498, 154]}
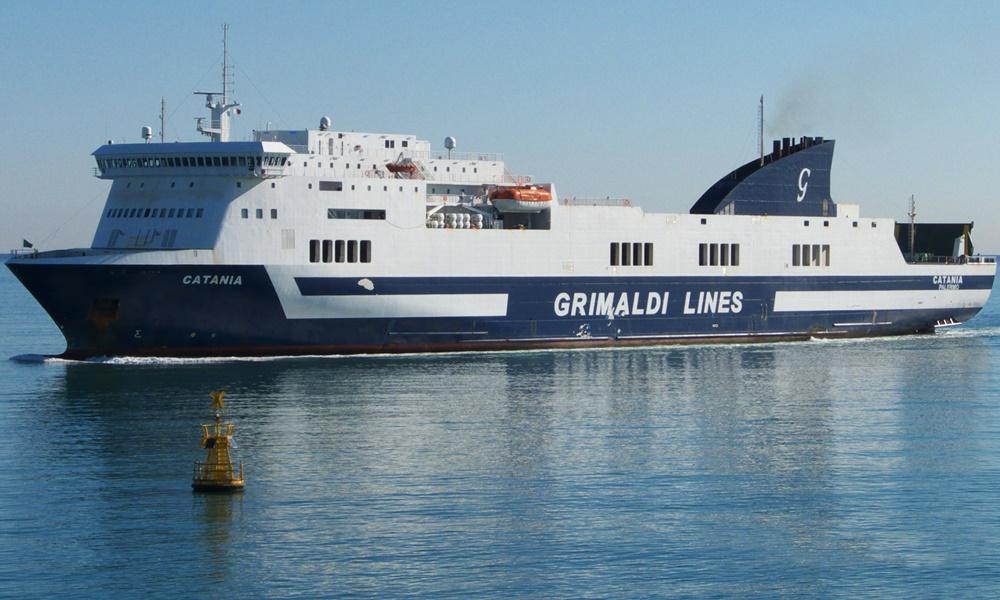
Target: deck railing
{"type": "Point", "coordinates": [606, 201]}
{"type": "Point", "coordinates": [950, 260]}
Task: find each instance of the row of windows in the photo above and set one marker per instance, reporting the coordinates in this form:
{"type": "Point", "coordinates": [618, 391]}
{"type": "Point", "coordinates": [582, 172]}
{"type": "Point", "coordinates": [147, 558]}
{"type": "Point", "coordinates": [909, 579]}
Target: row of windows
{"type": "Point", "coordinates": [355, 213]}
{"type": "Point", "coordinates": [340, 251]}
{"type": "Point", "coordinates": [810, 255]}
{"type": "Point", "coordinates": [388, 144]}
{"type": "Point", "coordinates": [631, 254]}
{"type": "Point", "coordinates": [155, 213]}
{"type": "Point", "coordinates": [245, 213]}
{"type": "Point", "coordinates": [146, 162]}
{"type": "Point", "coordinates": [719, 255]}
{"type": "Point", "coordinates": [448, 169]}
{"type": "Point", "coordinates": [338, 186]}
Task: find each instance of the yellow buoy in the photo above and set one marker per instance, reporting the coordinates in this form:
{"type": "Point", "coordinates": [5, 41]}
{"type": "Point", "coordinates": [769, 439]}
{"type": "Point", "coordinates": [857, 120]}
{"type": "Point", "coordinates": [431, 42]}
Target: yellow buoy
{"type": "Point", "coordinates": [218, 473]}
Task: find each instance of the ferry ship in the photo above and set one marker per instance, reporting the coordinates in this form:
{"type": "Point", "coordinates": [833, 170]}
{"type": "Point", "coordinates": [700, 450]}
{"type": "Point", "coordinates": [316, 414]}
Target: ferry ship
{"type": "Point", "coordinates": [327, 241]}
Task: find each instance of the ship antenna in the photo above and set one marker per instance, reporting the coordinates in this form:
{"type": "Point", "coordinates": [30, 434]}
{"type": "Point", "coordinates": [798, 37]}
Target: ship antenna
{"type": "Point", "coordinates": [760, 131]}
{"type": "Point", "coordinates": [218, 127]}
{"type": "Point", "coordinates": [225, 63]}
{"type": "Point", "coordinates": [163, 119]}
{"type": "Point", "coordinates": [913, 224]}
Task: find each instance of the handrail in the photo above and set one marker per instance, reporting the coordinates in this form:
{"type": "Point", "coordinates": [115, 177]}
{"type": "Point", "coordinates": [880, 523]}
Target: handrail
{"type": "Point", "coordinates": [979, 259]}
{"type": "Point", "coordinates": [606, 201]}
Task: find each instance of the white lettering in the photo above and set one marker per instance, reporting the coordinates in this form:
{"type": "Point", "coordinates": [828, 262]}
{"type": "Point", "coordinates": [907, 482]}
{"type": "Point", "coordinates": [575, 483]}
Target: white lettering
{"type": "Point", "coordinates": [579, 305]}
{"type": "Point", "coordinates": [711, 301]}
{"type": "Point", "coordinates": [653, 303]}
{"type": "Point", "coordinates": [561, 304]}
{"type": "Point", "coordinates": [212, 279]}
{"type": "Point", "coordinates": [688, 309]}
{"type": "Point", "coordinates": [635, 305]}
{"type": "Point", "coordinates": [622, 308]}
{"type": "Point", "coordinates": [604, 304]}
{"type": "Point", "coordinates": [803, 184]}
{"type": "Point", "coordinates": [724, 298]}
{"type": "Point", "coordinates": [737, 302]}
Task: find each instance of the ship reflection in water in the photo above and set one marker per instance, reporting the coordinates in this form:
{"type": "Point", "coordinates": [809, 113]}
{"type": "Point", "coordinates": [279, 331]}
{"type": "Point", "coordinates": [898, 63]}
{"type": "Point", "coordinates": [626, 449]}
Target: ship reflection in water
{"type": "Point", "coordinates": [803, 468]}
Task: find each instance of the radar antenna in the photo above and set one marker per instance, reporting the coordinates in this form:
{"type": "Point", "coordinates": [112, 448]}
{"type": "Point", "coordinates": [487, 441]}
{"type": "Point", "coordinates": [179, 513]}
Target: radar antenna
{"type": "Point", "coordinates": [218, 128]}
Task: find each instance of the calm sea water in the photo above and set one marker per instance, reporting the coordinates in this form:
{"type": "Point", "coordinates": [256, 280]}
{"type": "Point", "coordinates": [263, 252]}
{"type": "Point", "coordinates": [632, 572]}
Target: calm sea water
{"type": "Point", "coordinates": [859, 468]}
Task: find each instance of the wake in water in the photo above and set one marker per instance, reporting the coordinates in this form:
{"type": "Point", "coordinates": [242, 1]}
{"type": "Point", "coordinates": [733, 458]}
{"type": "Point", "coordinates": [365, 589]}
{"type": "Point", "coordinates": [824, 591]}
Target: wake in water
{"type": "Point", "coordinates": [950, 332]}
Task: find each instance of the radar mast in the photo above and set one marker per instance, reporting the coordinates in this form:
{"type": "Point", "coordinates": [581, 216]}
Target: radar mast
{"type": "Point", "coordinates": [218, 127]}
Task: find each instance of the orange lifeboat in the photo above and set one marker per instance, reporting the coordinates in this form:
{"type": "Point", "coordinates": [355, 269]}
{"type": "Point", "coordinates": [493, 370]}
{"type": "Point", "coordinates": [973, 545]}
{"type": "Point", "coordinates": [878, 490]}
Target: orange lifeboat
{"type": "Point", "coordinates": [522, 198]}
{"type": "Point", "coordinates": [408, 168]}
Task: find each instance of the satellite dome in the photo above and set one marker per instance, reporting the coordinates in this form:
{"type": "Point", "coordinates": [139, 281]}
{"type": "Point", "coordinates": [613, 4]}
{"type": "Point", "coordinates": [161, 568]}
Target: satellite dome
{"type": "Point", "coordinates": [147, 132]}
{"type": "Point", "coordinates": [324, 123]}
{"type": "Point", "coordinates": [450, 143]}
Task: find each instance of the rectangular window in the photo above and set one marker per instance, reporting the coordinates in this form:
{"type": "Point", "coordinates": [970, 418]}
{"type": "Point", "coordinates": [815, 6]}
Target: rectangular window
{"type": "Point", "coordinates": [216, 162]}
{"type": "Point", "coordinates": [201, 161]}
{"type": "Point", "coordinates": [198, 214]}
{"type": "Point", "coordinates": [331, 186]}
{"type": "Point", "coordinates": [146, 214]}
{"type": "Point", "coordinates": [260, 213]}
{"type": "Point", "coordinates": [313, 251]}
{"type": "Point", "coordinates": [339, 254]}
{"type": "Point", "coordinates": [225, 161]}
{"type": "Point", "coordinates": [274, 213]}
{"type": "Point", "coordinates": [826, 255]}
{"type": "Point", "coordinates": [724, 255]}
{"type": "Point", "coordinates": [327, 251]}
{"type": "Point", "coordinates": [637, 254]}
{"type": "Point", "coordinates": [190, 213]}
{"type": "Point", "coordinates": [648, 251]}
{"type": "Point", "coordinates": [713, 255]}
{"type": "Point", "coordinates": [170, 214]}
{"type": "Point", "coordinates": [366, 251]}
{"type": "Point", "coordinates": [352, 250]}
{"type": "Point", "coordinates": [626, 254]}
{"type": "Point", "coordinates": [734, 255]}
{"type": "Point", "coordinates": [702, 254]}
{"type": "Point", "coordinates": [245, 213]}
{"type": "Point", "coordinates": [614, 254]}
{"type": "Point", "coordinates": [815, 255]}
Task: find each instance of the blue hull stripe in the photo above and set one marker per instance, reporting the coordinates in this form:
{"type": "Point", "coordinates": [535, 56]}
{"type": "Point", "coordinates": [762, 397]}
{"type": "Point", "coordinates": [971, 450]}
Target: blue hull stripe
{"type": "Point", "coordinates": [117, 310]}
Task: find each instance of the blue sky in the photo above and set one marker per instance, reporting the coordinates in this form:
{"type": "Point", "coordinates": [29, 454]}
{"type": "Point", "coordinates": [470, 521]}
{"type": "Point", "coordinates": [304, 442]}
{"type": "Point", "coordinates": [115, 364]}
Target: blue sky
{"type": "Point", "coordinates": [651, 101]}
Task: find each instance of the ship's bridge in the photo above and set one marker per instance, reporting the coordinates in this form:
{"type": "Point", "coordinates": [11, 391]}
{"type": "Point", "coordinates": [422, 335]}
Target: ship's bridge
{"type": "Point", "coordinates": [264, 160]}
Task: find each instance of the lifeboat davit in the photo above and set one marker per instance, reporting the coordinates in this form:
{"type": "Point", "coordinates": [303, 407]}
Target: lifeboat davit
{"type": "Point", "coordinates": [521, 199]}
